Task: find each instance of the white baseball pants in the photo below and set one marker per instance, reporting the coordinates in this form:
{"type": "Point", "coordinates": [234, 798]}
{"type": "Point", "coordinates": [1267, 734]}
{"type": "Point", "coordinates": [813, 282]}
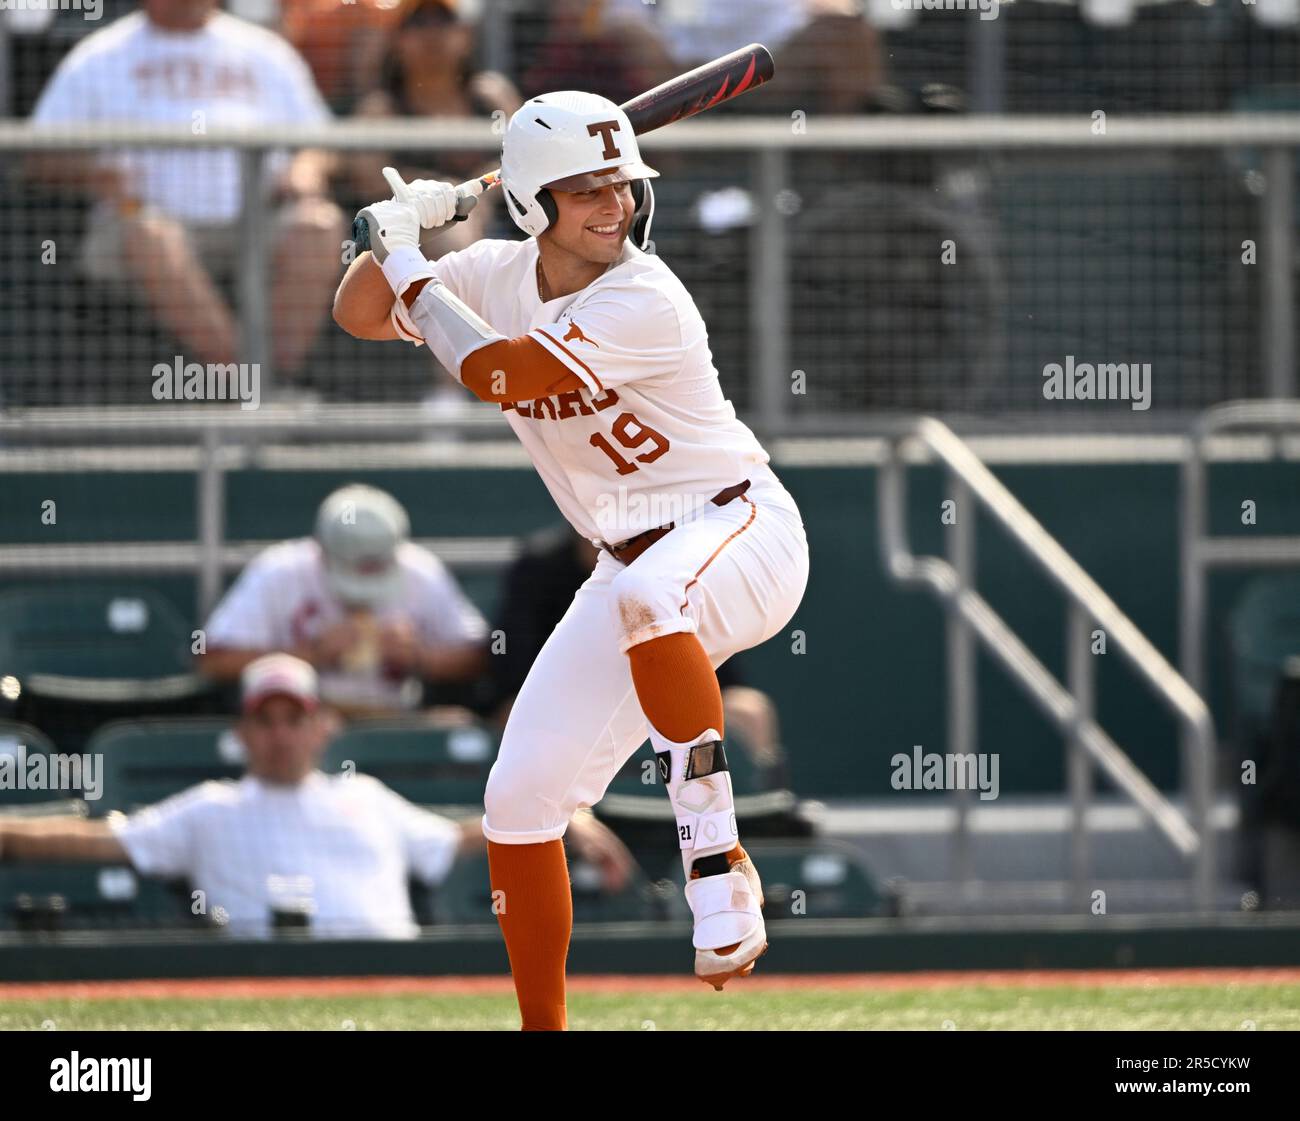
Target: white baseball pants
{"type": "Point", "coordinates": [734, 575]}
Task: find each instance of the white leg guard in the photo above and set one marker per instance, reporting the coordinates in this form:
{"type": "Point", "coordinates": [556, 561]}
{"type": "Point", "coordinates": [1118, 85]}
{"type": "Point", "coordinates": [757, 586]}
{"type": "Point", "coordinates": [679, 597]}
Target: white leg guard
{"type": "Point", "coordinates": [699, 788]}
{"type": "Point", "coordinates": [726, 898]}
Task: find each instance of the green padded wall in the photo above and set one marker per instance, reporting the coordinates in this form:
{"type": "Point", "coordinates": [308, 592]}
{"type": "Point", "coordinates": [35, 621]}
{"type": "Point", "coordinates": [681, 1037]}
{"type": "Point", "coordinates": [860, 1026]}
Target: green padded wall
{"type": "Point", "coordinates": [871, 682]}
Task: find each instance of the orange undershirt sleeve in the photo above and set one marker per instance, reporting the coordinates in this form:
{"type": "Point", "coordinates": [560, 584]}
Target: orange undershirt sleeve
{"type": "Point", "coordinates": [516, 370]}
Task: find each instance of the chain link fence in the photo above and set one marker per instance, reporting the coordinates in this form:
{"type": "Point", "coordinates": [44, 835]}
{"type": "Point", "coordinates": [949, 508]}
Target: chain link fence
{"type": "Point", "coordinates": [874, 273]}
{"type": "Point", "coordinates": [844, 267]}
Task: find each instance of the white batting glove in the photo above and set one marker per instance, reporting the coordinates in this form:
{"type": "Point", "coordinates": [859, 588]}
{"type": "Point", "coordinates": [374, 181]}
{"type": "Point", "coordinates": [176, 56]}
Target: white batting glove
{"type": "Point", "coordinates": [436, 202]}
{"type": "Point", "coordinates": [394, 234]}
{"type": "Point", "coordinates": [393, 225]}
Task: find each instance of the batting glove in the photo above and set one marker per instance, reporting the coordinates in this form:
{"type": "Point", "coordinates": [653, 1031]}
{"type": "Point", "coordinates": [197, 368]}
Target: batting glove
{"type": "Point", "coordinates": [393, 230]}
{"type": "Point", "coordinates": [437, 203]}
{"type": "Point", "coordinates": [393, 225]}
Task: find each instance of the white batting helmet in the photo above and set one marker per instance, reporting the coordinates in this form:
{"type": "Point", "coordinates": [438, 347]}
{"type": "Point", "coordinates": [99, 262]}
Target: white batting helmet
{"type": "Point", "coordinates": [571, 141]}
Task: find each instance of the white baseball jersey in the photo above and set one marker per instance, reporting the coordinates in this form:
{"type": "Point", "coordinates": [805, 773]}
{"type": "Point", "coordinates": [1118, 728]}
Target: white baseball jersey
{"type": "Point", "coordinates": [281, 600]}
{"type": "Point", "coordinates": [651, 438]}
{"type": "Point", "coordinates": [339, 846]}
{"type": "Point", "coordinates": [228, 74]}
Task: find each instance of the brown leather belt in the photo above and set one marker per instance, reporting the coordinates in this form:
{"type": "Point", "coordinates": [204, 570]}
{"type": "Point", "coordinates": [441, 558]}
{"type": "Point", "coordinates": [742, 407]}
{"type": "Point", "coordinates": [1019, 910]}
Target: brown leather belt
{"type": "Point", "coordinates": [633, 547]}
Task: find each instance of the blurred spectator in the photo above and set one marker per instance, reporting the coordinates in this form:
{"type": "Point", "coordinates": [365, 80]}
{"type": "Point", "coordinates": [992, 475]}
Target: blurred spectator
{"type": "Point", "coordinates": [696, 33]}
{"type": "Point", "coordinates": [166, 222]}
{"type": "Point", "coordinates": [380, 617]}
{"type": "Point", "coordinates": [828, 58]}
{"type": "Point", "coordinates": [286, 843]}
{"type": "Point", "coordinates": [427, 72]}
{"type": "Point", "coordinates": [586, 45]}
{"type": "Point", "coordinates": [341, 40]}
{"type": "Point", "coordinates": [536, 592]}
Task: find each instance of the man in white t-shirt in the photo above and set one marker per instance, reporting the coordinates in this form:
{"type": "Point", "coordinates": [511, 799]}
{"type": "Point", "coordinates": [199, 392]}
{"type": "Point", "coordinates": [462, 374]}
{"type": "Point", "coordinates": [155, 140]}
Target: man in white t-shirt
{"type": "Point", "coordinates": [287, 843]}
{"type": "Point", "coordinates": [377, 615]}
{"type": "Point", "coordinates": [829, 57]}
{"type": "Point", "coordinates": [166, 221]}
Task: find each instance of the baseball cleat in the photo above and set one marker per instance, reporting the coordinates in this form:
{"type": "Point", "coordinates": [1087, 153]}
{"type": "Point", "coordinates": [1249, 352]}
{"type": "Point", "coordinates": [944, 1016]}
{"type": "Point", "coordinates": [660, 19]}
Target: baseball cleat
{"type": "Point", "coordinates": [730, 935]}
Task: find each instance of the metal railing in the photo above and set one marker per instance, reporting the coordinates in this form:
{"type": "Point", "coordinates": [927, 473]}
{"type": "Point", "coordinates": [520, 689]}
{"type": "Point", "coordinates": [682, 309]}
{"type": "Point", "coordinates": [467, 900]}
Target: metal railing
{"type": "Point", "coordinates": [217, 441]}
{"type": "Point", "coordinates": [773, 148]}
{"type": "Point", "coordinates": [1201, 551]}
{"type": "Point", "coordinates": [1069, 706]}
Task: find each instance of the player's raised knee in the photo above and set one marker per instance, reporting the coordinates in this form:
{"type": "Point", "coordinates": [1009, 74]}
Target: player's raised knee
{"type": "Point", "coordinates": [636, 599]}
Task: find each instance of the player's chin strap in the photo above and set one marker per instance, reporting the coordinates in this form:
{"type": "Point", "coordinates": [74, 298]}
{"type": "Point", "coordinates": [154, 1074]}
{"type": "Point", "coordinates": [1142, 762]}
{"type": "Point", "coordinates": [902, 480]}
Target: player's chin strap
{"type": "Point", "coordinates": [699, 788]}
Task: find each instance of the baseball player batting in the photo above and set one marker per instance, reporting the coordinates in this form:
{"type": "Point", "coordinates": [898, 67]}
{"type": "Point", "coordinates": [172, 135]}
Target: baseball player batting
{"type": "Point", "coordinates": [599, 359]}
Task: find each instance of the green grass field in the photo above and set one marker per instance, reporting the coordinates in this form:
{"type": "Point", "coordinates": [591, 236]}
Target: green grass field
{"type": "Point", "coordinates": [1223, 1007]}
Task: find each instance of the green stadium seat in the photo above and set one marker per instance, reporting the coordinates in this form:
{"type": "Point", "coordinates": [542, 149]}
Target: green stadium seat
{"type": "Point", "coordinates": [96, 643]}
{"type": "Point", "coordinates": [1263, 631]}
{"type": "Point", "coordinates": [465, 896]}
{"type": "Point", "coordinates": [427, 765]}
{"type": "Point", "coordinates": [19, 744]}
{"type": "Point", "coordinates": [145, 761]}
{"type": "Point", "coordinates": [817, 878]}
{"type": "Point", "coordinates": [42, 898]}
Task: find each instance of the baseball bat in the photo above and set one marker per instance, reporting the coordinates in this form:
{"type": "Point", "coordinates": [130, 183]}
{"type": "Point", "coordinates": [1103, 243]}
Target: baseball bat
{"type": "Point", "coordinates": [696, 91]}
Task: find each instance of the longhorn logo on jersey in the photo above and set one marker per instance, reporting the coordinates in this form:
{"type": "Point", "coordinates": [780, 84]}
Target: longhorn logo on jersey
{"type": "Point", "coordinates": [575, 332]}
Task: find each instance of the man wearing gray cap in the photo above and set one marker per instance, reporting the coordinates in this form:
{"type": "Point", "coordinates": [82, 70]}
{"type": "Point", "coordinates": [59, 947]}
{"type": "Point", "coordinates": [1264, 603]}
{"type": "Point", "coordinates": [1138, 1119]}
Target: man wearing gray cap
{"type": "Point", "coordinates": [376, 615]}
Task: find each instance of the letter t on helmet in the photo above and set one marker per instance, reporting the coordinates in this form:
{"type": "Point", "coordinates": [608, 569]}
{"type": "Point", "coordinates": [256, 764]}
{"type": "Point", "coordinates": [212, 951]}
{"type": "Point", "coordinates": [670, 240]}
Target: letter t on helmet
{"type": "Point", "coordinates": [572, 141]}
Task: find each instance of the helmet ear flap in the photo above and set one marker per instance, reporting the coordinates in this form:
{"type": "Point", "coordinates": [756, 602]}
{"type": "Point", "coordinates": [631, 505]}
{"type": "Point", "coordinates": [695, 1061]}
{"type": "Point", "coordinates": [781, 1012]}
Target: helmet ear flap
{"type": "Point", "coordinates": [643, 194]}
{"type": "Point", "coordinates": [547, 202]}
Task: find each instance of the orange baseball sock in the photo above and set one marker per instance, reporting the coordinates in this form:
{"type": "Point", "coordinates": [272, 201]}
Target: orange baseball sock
{"type": "Point", "coordinates": [535, 912]}
{"type": "Point", "coordinates": [676, 686]}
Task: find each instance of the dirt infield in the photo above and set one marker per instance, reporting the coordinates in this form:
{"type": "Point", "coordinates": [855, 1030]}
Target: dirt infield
{"type": "Point", "coordinates": [293, 987]}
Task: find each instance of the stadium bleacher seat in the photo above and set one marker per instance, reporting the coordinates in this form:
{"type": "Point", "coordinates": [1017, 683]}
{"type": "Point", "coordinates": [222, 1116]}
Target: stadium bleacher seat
{"type": "Point", "coordinates": [45, 898]}
{"type": "Point", "coordinates": [831, 879]}
{"type": "Point", "coordinates": [145, 761]}
{"type": "Point", "coordinates": [89, 653]}
{"type": "Point", "coordinates": [95, 642]}
{"type": "Point", "coordinates": [19, 743]}
{"type": "Point", "coordinates": [432, 766]}
{"type": "Point", "coordinates": [1263, 632]}
{"type": "Point", "coordinates": [465, 896]}
{"type": "Point", "coordinates": [1279, 777]}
